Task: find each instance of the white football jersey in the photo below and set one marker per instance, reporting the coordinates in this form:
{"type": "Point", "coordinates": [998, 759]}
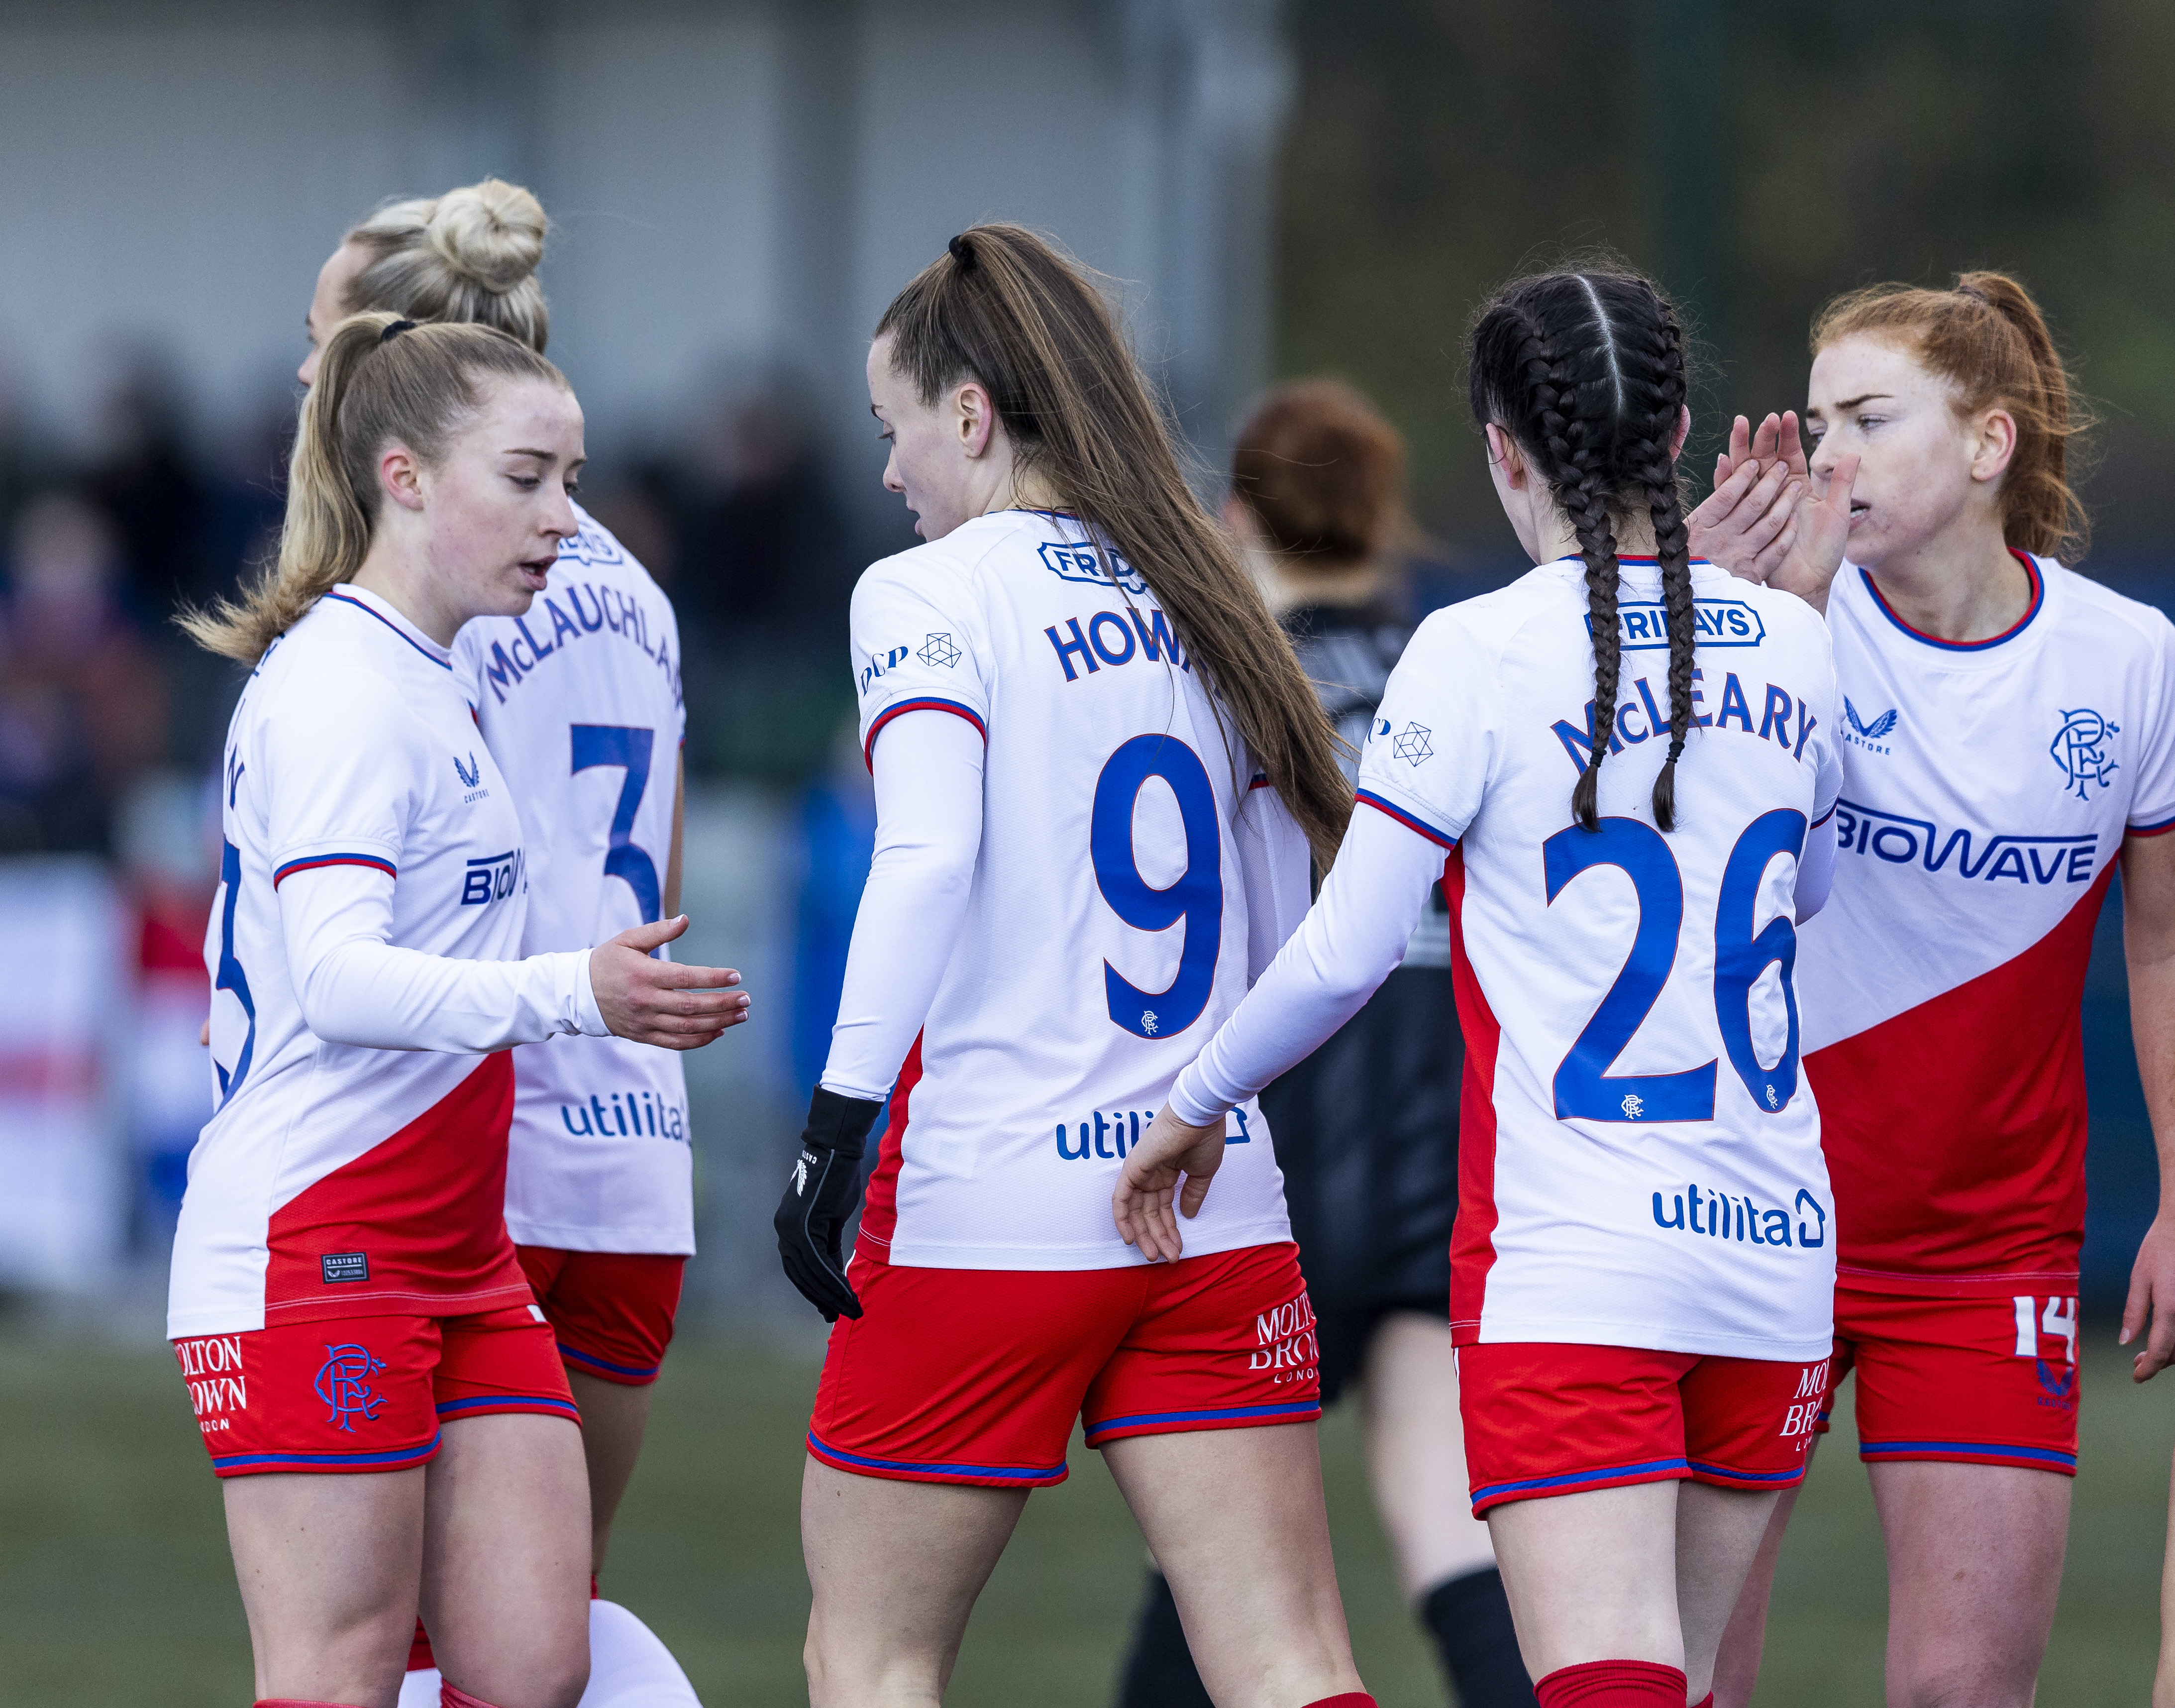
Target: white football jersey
{"type": "Point", "coordinates": [1107, 933]}
{"type": "Point", "coordinates": [1640, 1156]}
{"type": "Point", "coordinates": [580, 701]}
{"type": "Point", "coordinates": [1988, 788]}
{"type": "Point", "coordinates": [337, 1179]}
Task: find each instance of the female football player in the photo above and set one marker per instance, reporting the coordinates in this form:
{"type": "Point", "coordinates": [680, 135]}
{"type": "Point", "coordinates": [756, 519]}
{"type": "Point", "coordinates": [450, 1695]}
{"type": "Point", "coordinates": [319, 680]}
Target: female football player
{"type": "Point", "coordinates": [1367, 1126]}
{"type": "Point", "coordinates": [1098, 770]}
{"type": "Point", "coordinates": [1620, 768]}
{"type": "Point", "coordinates": [366, 1362]}
{"type": "Point", "coordinates": [580, 701]}
{"type": "Point", "coordinates": [2009, 741]}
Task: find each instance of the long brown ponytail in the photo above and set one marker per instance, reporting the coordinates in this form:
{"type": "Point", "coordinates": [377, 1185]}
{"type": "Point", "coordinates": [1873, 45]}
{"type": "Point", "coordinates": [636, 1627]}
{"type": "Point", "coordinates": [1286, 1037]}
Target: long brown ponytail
{"type": "Point", "coordinates": [412, 388]}
{"type": "Point", "coordinates": [1988, 338]}
{"type": "Point", "coordinates": [1005, 308]}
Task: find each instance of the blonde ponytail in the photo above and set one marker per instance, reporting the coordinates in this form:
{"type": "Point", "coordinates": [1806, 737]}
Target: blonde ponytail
{"type": "Point", "coordinates": [469, 255]}
{"type": "Point", "coordinates": [374, 387]}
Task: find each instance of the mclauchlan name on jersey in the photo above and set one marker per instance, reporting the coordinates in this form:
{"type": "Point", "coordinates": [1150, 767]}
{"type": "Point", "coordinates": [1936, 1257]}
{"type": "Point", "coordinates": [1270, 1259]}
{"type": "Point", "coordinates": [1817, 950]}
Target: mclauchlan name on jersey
{"type": "Point", "coordinates": [607, 611]}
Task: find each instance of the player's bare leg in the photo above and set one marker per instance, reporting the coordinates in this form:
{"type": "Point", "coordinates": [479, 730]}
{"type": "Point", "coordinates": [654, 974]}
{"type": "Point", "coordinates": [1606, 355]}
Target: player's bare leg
{"type": "Point", "coordinates": [1236, 1520]}
{"type": "Point", "coordinates": [506, 1567]}
{"type": "Point", "coordinates": [614, 1419]}
{"type": "Point", "coordinates": [1974, 1565]}
{"type": "Point", "coordinates": [1720, 1532]}
{"type": "Point", "coordinates": [1647, 1573]}
{"type": "Point", "coordinates": [895, 1568]}
{"type": "Point", "coordinates": [1745, 1639]}
{"type": "Point", "coordinates": [328, 1571]}
{"type": "Point", "coordinates": [1416, 1454]}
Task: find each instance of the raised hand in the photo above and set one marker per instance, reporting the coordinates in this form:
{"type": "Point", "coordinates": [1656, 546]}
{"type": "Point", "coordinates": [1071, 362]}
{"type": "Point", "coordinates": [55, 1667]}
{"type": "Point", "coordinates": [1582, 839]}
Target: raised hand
{"type": "Point", "coordinates": [1148, 1182]}
{"type": "Point", "coordinates": [1822, 535]}
{"type": "Point", "coordinates": [662, 1002]}
{"type": "Point", "coordinates": [1748, 523]}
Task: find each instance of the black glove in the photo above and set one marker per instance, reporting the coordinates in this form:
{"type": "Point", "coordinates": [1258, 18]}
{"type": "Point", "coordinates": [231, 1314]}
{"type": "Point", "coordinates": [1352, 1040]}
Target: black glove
{"type": "Point", "coordinates": [820, 1197]}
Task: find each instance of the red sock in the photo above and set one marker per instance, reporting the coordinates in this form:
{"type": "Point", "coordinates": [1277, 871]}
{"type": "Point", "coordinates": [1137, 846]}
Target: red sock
{"type": "Point", "coordinates": [1706, 1701]}
{"type": "Point", "coordinates": [448, 1697]}
{"type": "Point", "coordinates": [1350, 1699]}
{"type": "Point", "coordinates": [1612, 1684]}
{"type": "Point", "coordinates": [595, 1594]}
{"type": "Point", "coordinates": [420, 1658]}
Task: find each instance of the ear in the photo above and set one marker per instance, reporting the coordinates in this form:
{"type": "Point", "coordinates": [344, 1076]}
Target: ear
{"type": "Point", "coordinates": [1503, 451]}
{"type": "Point", "coordinates": [400, 477]}
{"type": "Point", "coordinates": [1684, 432]}
{"type": "Point", "coordinates": [1993, 445]}
{"type": "Point", "coordinates": [975, 418]}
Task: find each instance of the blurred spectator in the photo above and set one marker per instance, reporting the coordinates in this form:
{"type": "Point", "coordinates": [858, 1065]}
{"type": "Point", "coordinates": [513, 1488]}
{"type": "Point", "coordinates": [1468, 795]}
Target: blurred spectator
{"type": "Point", "coordinates": [22, 465]}
{"type": "Point", "coordinates": [144, 477]}
{"type": "Point", "coordinates": [82, 704]}
{"type": "Point", "coordinates": [763, 550]}
{"type": "Point", "coordinates": [245, 498]}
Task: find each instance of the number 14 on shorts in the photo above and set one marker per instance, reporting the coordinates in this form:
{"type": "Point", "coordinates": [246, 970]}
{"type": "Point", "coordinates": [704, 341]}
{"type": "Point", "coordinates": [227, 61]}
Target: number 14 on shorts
{"type": "Point", "coordinates": [2056, 1317]}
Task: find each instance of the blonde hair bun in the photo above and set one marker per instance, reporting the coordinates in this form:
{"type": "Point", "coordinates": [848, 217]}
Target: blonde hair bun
{"type": "Point", "coordinates": [492, 232]}
{"type": "Point", "coordinates": [469, 255]}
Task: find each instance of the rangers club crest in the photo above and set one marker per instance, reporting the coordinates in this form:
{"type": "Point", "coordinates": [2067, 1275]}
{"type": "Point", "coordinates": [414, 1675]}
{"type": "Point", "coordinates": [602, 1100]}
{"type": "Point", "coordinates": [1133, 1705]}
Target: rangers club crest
{"type": "Point", "coordinates": [2080, 748]}
{"type": "Point", "coordinates": [344, 1385]}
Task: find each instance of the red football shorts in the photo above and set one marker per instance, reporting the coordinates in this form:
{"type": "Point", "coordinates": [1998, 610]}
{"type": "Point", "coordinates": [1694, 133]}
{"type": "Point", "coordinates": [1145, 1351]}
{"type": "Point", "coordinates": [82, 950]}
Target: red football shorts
{"type": "Point", "coordinates": [612, 1310]}
{"type": "Point", "coordinates": [975, 1375]}
{"type": "Point", "coordinates": [1985, 1380]}
{"type": "Point", "coordinates": [1543, 1420]}
{"type": "Point", "coordinates": [365, 1393]}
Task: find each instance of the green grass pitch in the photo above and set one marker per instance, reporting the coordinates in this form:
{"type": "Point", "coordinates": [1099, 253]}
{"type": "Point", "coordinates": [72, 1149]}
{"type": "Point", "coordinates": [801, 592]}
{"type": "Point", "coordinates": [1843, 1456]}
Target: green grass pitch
{"type": "Point", "coordinates": [114, 1584]}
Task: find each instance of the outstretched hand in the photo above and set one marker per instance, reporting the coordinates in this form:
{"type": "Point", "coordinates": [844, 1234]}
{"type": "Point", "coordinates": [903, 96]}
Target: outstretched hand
{"type": "Point", "coordinates": [1148, 1182]}
{"type": "Point", "coordinates": [662, 1002]}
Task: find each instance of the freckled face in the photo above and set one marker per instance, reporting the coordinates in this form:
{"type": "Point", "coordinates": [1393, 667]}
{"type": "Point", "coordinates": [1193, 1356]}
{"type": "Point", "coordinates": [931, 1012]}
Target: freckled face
{"type": "Point", "coordinates": [1871, 397]}
{"type": "Point", "coordinates": [928, 465]}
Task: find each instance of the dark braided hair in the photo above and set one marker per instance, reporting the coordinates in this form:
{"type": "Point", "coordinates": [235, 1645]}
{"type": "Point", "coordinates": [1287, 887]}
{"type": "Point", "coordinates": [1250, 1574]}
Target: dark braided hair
{"type": "Point", "coordinates": [1586, 371]}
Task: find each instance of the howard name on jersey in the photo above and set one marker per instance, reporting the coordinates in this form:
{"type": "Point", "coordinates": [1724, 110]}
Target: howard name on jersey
{"type": "Point", "coordinates": [1640, 1161]}
{"type": "Point", "coordinates": [1987, 790]}
{"type": "Point", "coordinates": [336, 1179]}
{"type": "Point", "coordinates": [1110, 924]}
{"type": "Point", "coordinates": [580, 702]}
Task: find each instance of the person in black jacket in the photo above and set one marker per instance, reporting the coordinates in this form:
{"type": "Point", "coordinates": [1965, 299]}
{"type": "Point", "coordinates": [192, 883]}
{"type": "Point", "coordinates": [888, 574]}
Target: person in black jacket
{"type": "Point", "coordinates": [1366, 1127]}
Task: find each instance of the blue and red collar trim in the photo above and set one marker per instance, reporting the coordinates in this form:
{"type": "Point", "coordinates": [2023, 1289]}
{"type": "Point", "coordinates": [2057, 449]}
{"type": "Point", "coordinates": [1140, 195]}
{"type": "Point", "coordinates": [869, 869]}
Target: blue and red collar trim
{"type": "Point", "coordinates": [2016, 628]}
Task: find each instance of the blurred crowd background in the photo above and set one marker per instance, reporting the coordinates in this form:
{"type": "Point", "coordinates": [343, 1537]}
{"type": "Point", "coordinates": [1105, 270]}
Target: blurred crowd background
{"type": "Point", "coordinates": [1323, 187]}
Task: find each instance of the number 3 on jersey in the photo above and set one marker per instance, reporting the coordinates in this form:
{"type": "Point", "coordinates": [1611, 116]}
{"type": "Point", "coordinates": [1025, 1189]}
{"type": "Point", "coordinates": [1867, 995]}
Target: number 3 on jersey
{"type": "Point", "coordinates": [1585, 1090]}
{"type": "Point", "coordinates": [615, 744]}
{"type": "Point", "coordinates": [1195, 897]}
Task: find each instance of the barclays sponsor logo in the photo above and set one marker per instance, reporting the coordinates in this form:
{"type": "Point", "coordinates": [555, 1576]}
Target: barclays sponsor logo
{"type": "Point", "coordinates": [1899, 839]}
{"type": "Point", "coordinates": [1643, 625]}
{"type": "Point", "coordinates": [1721, 1216]}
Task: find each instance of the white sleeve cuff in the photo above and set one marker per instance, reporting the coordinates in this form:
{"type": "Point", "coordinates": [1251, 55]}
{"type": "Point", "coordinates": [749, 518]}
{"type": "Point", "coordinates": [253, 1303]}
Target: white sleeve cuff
{"type": "Point", "coordinates": [581, 1013]}
{"type": "Point", "coordinates": [1188, 1105]}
